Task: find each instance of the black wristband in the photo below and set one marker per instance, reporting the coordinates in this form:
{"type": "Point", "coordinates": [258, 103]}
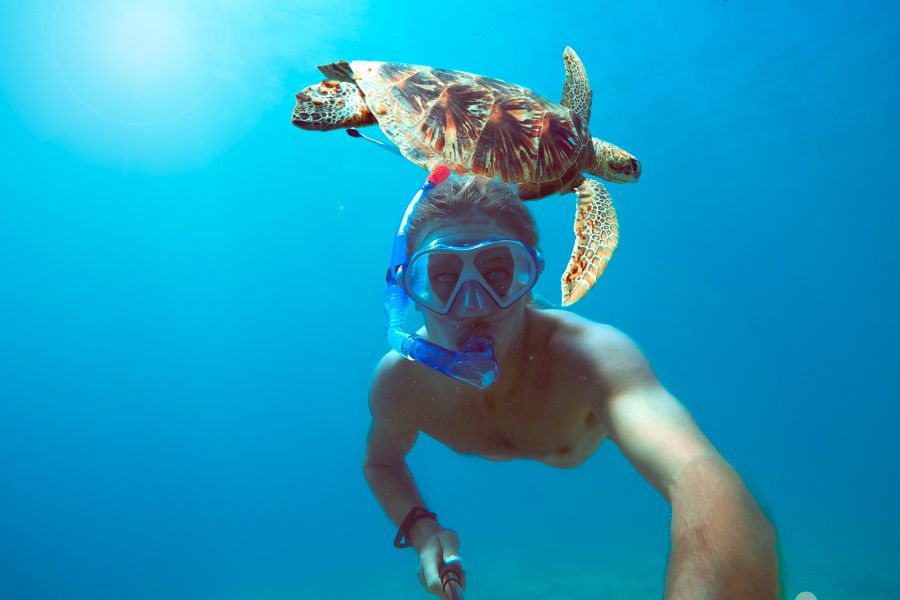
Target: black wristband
{"type": "Point", "coordinates": [415, 514]}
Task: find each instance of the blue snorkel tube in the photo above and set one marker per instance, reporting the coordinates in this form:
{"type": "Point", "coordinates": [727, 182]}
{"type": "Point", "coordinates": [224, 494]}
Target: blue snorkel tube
{"type": "Point", "coordinates": [475, 363]}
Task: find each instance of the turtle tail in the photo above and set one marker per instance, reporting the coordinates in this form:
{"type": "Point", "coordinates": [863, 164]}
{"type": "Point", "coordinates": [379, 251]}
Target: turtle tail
{"type": "Point", "coordinates": [613, 164]}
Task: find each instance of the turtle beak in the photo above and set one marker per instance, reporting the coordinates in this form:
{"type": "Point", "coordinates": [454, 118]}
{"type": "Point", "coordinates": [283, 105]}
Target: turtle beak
{"type": "Point", "coordinates": [625, 170]}
{"type": "Point", "coordinates": [634, 169]}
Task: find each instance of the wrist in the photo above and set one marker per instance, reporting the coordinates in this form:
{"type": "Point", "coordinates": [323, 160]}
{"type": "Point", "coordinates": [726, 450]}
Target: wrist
{"type": "Point", "coordinates": [415, 514]}
{"type": "Point", "coordinates": [421, 531]}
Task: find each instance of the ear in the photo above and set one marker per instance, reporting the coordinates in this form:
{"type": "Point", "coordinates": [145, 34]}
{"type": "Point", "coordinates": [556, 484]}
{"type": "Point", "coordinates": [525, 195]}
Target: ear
{"type": "Point", "coordinates": [539, 256]}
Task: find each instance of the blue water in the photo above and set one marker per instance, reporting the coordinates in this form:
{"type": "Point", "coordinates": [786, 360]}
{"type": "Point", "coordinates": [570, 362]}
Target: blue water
{"type": "Point", "coordinates": [190, 294]}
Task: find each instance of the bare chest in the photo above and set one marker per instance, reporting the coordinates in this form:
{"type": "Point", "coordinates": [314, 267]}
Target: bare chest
{"type": "Point", "coordinates": [561, 432]}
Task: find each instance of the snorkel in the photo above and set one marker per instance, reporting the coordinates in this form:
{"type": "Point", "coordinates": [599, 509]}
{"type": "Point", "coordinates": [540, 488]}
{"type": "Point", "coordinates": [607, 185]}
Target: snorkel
{"type": "Point", "coordinates": [474, 363]}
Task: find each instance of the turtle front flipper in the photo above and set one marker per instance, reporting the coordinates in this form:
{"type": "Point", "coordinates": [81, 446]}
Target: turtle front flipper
{"type": "Point", "coordinates": [596, 237]}
{"type": "Point", "coordinates": [577, 94]}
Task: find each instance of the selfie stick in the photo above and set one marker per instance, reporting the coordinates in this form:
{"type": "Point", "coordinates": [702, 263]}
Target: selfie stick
{"type": "Point", "coordinates": [451, 574]}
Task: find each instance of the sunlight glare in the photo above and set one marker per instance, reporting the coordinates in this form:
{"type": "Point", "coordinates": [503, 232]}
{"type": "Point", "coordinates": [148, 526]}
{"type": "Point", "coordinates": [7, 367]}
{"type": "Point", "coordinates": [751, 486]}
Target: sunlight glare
{"type": "Point", "coordinates": [163, 85]}
{"type": "Point", "coordinates": [132, 62]}
{"type": "Point", "coordinates": [146, 40]}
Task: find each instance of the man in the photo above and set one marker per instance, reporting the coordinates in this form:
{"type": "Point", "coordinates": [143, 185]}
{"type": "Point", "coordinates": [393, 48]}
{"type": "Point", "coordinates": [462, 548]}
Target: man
{"type": "Point", "coordinates": [565, 385]}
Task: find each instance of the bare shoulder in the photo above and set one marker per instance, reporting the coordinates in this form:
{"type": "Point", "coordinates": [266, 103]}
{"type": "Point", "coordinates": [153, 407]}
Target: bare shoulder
{"type": "Point", "coordinates": [395, 391]}
{"type": "Point", "coordinates": [393, 431]}
{"type": "Point", "coordinates": [606, 351]}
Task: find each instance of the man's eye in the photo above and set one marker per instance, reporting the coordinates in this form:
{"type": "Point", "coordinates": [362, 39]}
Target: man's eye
{"type": "Point", "coordinates": [444, 278]}
{"type": "Point", "coordinates": [498, 275]}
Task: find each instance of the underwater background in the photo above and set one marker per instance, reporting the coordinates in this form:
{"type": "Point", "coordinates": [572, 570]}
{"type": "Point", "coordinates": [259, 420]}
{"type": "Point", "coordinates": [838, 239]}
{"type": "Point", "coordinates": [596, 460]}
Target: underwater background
{"type": "Point", "coordinates": [191, 294]}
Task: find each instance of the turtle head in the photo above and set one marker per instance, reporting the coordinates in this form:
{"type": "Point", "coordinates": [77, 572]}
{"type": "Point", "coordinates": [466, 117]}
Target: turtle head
{"type": "Point", "coordinates": [331, 105]}
{"type": "Point", "coordinates": [614, 164]}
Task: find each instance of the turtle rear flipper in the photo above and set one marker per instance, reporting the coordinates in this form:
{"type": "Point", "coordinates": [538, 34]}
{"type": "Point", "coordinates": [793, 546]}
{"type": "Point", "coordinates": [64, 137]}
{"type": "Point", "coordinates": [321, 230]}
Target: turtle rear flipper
{"type": "Point", "coordinates": [596, 237]}
{"type": "Point", "coordinates": [339, 71]}
{"type": "Point", "coordinates": [577, 93]}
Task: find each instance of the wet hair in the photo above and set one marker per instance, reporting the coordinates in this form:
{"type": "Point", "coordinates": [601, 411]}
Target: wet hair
{"type": "Point", "coordinates": [472, 195]}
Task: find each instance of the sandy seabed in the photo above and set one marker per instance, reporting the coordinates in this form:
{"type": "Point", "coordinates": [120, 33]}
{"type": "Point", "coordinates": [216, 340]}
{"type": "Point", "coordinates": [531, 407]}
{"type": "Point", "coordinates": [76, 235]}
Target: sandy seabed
{"type": "Point", "coordinates": [634, 578]}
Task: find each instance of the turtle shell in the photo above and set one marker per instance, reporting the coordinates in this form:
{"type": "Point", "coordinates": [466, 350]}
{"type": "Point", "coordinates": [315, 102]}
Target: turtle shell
{"type": "Point", "coordinates": [476, 125]}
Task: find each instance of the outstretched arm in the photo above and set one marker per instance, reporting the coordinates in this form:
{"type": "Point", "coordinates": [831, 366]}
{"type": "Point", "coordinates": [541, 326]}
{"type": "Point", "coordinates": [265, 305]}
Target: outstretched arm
{"type": "Point", "coordinates": [723, 547]}
{"type": "Point", "coordinates": [391, 436]}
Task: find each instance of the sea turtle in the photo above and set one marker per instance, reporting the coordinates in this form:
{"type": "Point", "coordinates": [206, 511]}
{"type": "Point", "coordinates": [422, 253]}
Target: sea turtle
{"type": "Point", "coordinates": [480, 125]}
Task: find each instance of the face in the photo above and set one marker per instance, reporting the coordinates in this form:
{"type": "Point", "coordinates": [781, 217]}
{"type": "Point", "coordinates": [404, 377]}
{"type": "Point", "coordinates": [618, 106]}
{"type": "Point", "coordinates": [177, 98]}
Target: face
{"type": "Point", "coordinates": [473, 311]}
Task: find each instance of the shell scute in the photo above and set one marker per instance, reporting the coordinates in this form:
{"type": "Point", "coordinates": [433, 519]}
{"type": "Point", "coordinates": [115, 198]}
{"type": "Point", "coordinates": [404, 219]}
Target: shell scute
{"type": "Point", "coordinates": [560, 144]}
{"type": "Point", "coordinates": [508, 143]}
{"type": "Point", "coordinates": [391, 73]}
{"type": "Point", "coordinates": [501, 87]}
{"type": "Point", "coordinates": [453, 77]}
{"type": "Point", "coordinates": [455, 122]}
{"type": "Point", "coordinates": [418, 91]}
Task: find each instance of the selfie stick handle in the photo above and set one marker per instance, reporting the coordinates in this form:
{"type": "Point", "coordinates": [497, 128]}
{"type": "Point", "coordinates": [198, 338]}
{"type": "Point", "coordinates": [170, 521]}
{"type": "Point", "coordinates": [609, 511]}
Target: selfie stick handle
{"type": "Point", "coordinates": [450, 578]}
{"type": "Point", "coordinates": [453, 592]}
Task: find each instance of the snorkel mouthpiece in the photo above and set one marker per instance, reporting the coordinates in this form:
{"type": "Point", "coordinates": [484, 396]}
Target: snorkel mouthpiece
{"type": "Point", "coordinates": [474, 363]}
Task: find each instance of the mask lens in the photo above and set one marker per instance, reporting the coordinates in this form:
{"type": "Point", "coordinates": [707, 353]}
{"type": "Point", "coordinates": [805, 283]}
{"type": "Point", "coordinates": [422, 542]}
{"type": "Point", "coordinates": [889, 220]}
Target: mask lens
{"type": "Point", "coordinates": [432, 277]}
{"type": "Point", "coordinates": [443, 273]}
{"type": "Point", "coordinates": [509, 269]}
{"type": "Point", "coordinates": [497, 267]}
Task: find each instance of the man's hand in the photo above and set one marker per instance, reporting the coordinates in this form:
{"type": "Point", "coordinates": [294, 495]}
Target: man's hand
{"type": "Point", "coordinates": [438, 549]}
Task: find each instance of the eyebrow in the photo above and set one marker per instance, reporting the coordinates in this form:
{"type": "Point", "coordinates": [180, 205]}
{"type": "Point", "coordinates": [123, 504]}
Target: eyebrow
{"type": "Point", "coordinates": [496, 254]}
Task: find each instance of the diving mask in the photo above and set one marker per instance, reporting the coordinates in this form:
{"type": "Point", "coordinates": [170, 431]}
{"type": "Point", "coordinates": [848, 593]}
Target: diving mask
{"type": "Point", "coordinates": [499, 270]}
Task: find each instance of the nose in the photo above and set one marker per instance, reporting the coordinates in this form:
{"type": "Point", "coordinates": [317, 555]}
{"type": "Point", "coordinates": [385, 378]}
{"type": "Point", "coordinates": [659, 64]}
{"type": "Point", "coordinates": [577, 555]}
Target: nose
{"type": "Point", "coordinates": [473, 300]}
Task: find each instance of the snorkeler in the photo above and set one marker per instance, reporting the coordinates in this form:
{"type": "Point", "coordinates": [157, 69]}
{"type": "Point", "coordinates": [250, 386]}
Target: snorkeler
{"type": "Point", "coordinates": [492, 375]}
